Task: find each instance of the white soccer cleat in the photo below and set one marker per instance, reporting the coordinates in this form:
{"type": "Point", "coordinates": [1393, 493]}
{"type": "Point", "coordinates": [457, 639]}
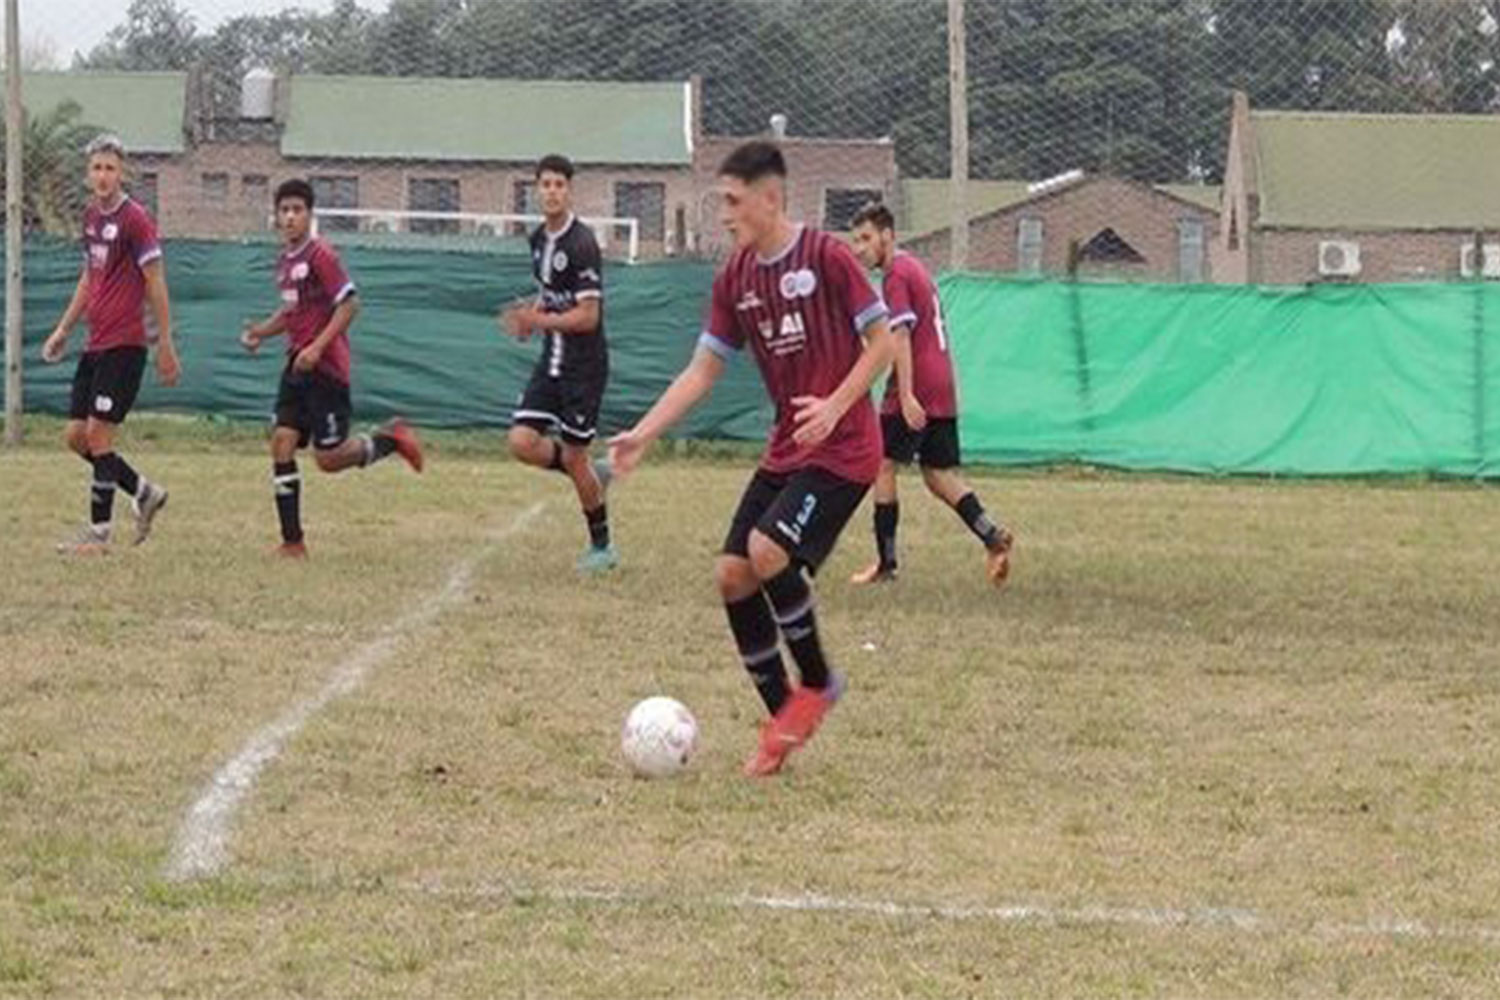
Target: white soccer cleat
{"type": "Point", "coordinates": [150, 503]}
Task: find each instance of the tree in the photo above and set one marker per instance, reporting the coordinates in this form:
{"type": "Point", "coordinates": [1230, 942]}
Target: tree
{"type": "Point", "coordinates": [53, 194]}
{"type": "Point", "coordinates": [1444, 54]}
{"type": "Point", "coordinates": [156, 35]}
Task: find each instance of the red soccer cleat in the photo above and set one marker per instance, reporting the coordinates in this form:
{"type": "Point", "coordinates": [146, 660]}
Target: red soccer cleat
{"type": "Point", "coordinates": [793, 726]}
{"type": "Point", "coordinates": [407, 445]}
{"type": "Point", "coordinates": [290, 550]}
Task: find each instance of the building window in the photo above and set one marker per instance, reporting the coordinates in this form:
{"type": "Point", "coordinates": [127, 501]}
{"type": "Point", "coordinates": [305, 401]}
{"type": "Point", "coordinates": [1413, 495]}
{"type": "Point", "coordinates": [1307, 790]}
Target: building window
{"type": "Point", "coordinates": [334, 193]}
{"type": "Point", "coordinates": [1190, 234]}
{"type": "Point", "coordinates": [523, 201]}
{"type": "Point", "coordinates": [841, 205]}
{"type": "Point", "coordinates": [215, 188]}
{"type": "Point", "coordinates": [432, 194]}
{"type": "Point", "coordinates": [646, 201]}
{"type": "Point", "coordinates": [1029, 244]}
{"type": "Point", "coordinates": [144, 191]}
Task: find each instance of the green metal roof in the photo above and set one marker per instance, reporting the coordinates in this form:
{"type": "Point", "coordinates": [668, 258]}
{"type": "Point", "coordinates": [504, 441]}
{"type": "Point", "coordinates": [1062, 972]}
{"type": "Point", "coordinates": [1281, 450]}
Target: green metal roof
{"type": "Point", "coordinates": [1321, 170]}
{"type": "Point", "coordinates": [925, 200]}
{"type": "Point", "coordinates": [414, 118]}
{"type": "Point", "coordinates": [925, 206]}
{"type": "Point", "coordinates": [144, 109]}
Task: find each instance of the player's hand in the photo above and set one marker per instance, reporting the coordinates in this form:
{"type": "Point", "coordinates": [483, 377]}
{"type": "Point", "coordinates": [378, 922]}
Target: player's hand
{"type": "Point", "coordinates": [518, 322]}
{"type": "Point", "coordinates": [912, 413]}
{"type": "Point", "coordinates": [55, 346]}
{"type": "Point", "coordinates": [815, 419]}
{"type": "Point", "coordinates": [250, 338]}
{"type": "Point", "coordinates": [307, 359]}
{"type": "Point", "coordinates": [625, 452]}
{"type": "Point", "coordinates": [168, 368]}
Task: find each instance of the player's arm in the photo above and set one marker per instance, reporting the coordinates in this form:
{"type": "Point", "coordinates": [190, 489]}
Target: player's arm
{"type": "Point", "coordinates": [273, 325]}
{"type": "Point", "coordinates": [817, 416]}
{"type": "Point", "coordinates": [906, 390]}
{"type": "Point", "coordinates": [582, 318]}
{"type": "Point", "coordinates": [342, 319]}
{"type": "Point", "coordinates": [167, 367]}
{"type": "Point", "coordinates": [52, 348]}
{"type": "Point", "coordinates": [687, 390]}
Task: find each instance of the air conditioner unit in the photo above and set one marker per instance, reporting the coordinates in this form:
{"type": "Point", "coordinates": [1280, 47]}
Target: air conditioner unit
{"type": "Point", "coordinates": [383, 224]}
{"type": "Point", "coordinates": [1466, 266]}
{"type": "Point", "coordinates": [1338, 258]}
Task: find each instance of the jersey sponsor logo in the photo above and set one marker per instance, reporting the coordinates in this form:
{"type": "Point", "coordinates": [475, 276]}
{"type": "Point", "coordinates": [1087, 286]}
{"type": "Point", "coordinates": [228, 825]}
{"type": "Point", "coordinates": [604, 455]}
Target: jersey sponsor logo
{"type": "Point", "coordinates": [98, 255]}
{"type": "Point", "coordinates": [791, 338]}
{"type": "Point", "coordinates": [290, 296]}
{"type": "Point", "coordinates": [798, 284]}
{"type": "Point", "coordinates": [767, 329]}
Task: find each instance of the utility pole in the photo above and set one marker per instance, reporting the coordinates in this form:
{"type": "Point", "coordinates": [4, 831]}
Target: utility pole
{"type": "Point", "coordinates": [958, 114]}
{"type": "Point", "coordinates": [13, 186]}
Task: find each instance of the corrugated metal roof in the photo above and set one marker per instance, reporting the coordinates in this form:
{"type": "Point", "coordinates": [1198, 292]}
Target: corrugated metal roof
{"type": "Point", "coordinates": [144, 109]}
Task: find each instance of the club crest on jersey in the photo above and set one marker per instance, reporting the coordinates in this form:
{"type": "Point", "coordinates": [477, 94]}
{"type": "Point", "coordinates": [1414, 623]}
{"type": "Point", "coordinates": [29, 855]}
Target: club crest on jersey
{"type": "Point", "coordinates": [300, 271]}
{"type": "Point", "coordinates": [110, 231]}
{"type": "Point", "coordinates": [559, 261]}
{"type": "Point", "coordinates": [798, 284]}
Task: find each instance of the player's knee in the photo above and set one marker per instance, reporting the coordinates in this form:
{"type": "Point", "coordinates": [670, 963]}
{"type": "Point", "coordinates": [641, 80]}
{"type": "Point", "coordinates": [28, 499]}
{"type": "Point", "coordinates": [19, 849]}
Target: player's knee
{"type": "Point", "coordinates": [734, 578]}
{"type": "Point", "coordinates": [939, 481]}
{"type": "Point", "coordinates": [76, 439]}
{"type": "Point", "coordinates": [98, 439]}
{"type": "Point", "coordinates": [328, 460]}
{"type": "Point", "coordinates": [524, 443]}
{"type": "Point", "coordinates": [767, 559]}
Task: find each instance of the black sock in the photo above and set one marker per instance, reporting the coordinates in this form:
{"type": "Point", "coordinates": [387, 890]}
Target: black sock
{"type": "Point", "coordinates": [887, 516]}
{"type": "Point", "coordinates": [102, 494]}
{"type": "Point", "coordinates": [377, 446]}
{"type": "Point", "coordinates": [598, 520]}
{"type": "Point", "coordinates": [793, 603]}
{"type": "Point", "coordinates": [288, 500]}
{"type": "Point", "coordinates": [755, 637]}
{"type": "Point", "coordinates": [972, 511]}
{"type": "Point", "coordinates": [556, 463]}
{"type": "Point", "coordinates": [121, 473]}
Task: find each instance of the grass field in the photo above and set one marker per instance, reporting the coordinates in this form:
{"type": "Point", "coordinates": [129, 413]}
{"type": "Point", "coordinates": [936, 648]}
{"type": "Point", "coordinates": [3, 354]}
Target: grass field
{"type": "Point", "coordinates": [1216, 739]}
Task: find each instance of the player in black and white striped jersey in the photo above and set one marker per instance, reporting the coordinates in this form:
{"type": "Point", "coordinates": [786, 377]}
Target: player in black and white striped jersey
{"type": "Point", "coordinates": [567, 385]}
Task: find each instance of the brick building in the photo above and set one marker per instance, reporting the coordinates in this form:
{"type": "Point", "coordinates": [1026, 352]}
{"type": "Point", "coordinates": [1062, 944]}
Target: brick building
{"type": "Point", "coordinates": [1095, 226]}
{"type": "Point", "coordinates": [1320, 196]}
{"type": "Point", "coordinates": [462, 150]}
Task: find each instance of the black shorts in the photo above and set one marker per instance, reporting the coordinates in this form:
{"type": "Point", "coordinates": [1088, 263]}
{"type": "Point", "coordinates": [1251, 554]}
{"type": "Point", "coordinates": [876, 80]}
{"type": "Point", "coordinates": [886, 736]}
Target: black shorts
{"type": "Point", "coordinates": [803, 512]}
{"type": "Point", "coordinates": [567, 403]}
{"type": "Point", "coordinates": [935, 446]}
{"type": "Point", "coordinates": [316, 405]}
{"type": "Point", "coordinates": [106, 384]}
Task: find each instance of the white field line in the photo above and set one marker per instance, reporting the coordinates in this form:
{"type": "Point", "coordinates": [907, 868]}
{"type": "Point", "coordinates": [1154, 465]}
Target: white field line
{"type": "Point", "coordinates": [1210, 918]}
{"type": "Point", "coordinates": [201, 847]}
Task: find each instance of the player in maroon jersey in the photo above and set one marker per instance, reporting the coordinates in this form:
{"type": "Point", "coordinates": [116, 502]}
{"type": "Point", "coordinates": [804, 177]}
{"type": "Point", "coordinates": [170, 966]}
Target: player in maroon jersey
{"type": "Point", "coordinates": [318, 305]}
{"type": "Point", "coordinates": [122, 272]}
{"type": "Point", "coordinates": [919, 416]}
{"type": "Point", "coordinates": [817, 328]}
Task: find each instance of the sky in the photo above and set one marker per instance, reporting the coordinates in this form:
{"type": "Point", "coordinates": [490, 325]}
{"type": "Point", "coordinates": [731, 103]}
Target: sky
{"type": "Point", "coordinates": [63, 26]}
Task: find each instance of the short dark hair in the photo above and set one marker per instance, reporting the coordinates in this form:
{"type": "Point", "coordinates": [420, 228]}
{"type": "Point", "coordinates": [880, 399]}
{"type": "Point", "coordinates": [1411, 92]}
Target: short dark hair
{"type": "Point", "coordinates": [754, 160]}
{"type": "Point", "coordinates": [875, 214]}
{"type": "Point", "coordinates": [555, 163]}
{"type": "Point", "coordinates": [295, 188]}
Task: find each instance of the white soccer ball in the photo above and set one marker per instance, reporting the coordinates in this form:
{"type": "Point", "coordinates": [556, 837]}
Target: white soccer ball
{"type": "Point", "coordinates": [659, 738]}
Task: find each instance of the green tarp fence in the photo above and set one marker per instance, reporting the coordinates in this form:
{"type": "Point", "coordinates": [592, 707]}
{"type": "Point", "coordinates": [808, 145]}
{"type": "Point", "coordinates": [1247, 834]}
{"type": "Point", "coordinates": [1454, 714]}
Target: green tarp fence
{"type": "Point", "coordinates": [1319, 380]}
{"type": "Point", "coordinates": [1315, 380]}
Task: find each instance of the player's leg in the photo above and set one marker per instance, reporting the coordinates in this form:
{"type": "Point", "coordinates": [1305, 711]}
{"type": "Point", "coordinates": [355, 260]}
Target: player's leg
{"type": "Point", "coordinates": [900, 447]}
{"type": "Point", "coordinates": [291, 430]}
{"type": "Point", "coordinates": [581, 399]}
{"type": "Point", "coordinates": [793, 538]}
{"type": "Point", "coordinates": [93, 537]}
{"type": "Point", "coordinates": [751, 620]}
{"type": "Point", "coordinates": [533, 418]}
{"type": "Point", "coordinates": [940, 460]}
{"type": "Point", "coordinates": [113, 383]}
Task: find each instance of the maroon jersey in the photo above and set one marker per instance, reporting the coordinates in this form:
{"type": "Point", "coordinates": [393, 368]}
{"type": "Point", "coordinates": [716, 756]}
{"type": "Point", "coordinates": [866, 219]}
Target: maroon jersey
{"type": "Point", "coordinates": [913, 301]}
{"type": "Point", "coordinates": [117, 245]}
{"type": "Point", "coordinates": [803, 314]}
{"type": "Point", "coordinates": [313, 282]}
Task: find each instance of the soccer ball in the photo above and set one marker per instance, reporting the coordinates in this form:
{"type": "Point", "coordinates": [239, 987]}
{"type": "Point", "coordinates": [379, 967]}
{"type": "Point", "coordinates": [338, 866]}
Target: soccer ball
{"type": "Point", "coordinates": [659, 738]}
